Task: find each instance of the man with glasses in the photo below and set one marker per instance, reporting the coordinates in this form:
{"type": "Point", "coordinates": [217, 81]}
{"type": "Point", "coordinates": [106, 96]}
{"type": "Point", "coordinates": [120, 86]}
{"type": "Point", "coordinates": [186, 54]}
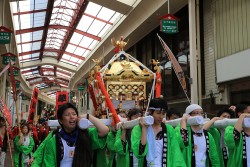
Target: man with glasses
{"type": "Point", "coordinates": [197, 145]}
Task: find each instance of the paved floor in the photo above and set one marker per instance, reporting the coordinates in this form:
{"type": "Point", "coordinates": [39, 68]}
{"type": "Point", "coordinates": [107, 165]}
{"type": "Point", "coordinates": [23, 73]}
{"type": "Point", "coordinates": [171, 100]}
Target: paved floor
{"type": "Point", "coordinates": [8, 159]}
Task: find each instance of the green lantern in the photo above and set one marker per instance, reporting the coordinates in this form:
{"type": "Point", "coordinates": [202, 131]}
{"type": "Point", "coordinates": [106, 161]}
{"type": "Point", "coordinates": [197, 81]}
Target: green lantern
{"type": "Point", "coordinates": [24, 97]}
{"type": "Point", "coordinates": [15, 72]}
{"type": "Point", "coordinates": [17, 84]}
{"type": "Point", "coordinates": [6, 59]}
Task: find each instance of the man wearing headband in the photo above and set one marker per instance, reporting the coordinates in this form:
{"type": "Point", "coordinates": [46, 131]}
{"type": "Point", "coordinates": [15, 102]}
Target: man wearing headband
{"type": "Point", "coordinates": [156, 145]}
{"type": "Point", "coordinates": [197, 145]}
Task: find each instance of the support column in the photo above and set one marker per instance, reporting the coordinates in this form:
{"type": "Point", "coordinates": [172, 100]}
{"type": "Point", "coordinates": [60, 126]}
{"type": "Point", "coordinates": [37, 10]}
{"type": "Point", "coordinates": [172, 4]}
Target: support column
{"type": "Point", "coordinates": [198, 53]}
{"type": "Point", "coordinates": [193, 52]}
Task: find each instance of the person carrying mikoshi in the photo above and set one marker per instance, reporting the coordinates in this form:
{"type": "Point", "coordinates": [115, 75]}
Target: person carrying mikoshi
{"type": "Point", "coordinates": [237, 140]}
{"type": "Point", "coordinates": [156, 145]}
{"type": "Point", "coordinates": [197, 145]}
{"type": "Point", "coordinates": [125, 156]}
{"type": "Point", "coordinates": [72, 146]}
{"type": "Point", "coordinates": [218, 134]}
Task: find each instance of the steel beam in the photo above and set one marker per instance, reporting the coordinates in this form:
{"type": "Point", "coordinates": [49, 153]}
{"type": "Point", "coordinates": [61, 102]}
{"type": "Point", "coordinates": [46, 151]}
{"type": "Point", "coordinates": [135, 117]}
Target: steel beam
{"type": "Point", "coordinates": [29, 12]}
{"type": "Point", "coordinates": [81, 6]}
{"type": "Point", "coordinates": [49, 61]}
{"type": "Point", "coordinates": [51, 50]}
{"type": "Point", "coordinates": [46, 24]}
{"type": "Point", "coordinates": [22, 31]}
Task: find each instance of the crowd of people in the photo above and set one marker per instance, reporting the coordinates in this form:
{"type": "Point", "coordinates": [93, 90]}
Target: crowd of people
{"type": "Point", "coordinates": [157, 145]}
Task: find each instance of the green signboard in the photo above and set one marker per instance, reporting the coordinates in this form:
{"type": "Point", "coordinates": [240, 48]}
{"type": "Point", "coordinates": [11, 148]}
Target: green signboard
{"type": "Point", "coordinates": [169, 26]}
{"type": "Point", "coordinates": [80, 87]}
{"type": "Point", "coordinates": [17, 85]}
{"type": "Point", "coordinates": [24, 97]}
{"type": "Point", "coordinates": [71, 95]}
{"type": "Point", "coordinates": [15, 71]}
{"type": "Point", "coordinates": [6, 59]}
{"type": "Point", "coordinates": [5, 37]}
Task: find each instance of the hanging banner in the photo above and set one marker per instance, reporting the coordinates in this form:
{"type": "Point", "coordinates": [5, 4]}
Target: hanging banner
{"type": "Point", "coordinates": [13, 83]}
{"type": "Point", "coordinates": [61, 98]}
{"type": "Point", "coordinates": [35, 93]}
{"type": "Point", "coordinates": [177, 68]}
{"type": "Point", "coordinates": [33, 104]}
{"type": "Point", "coordinates": [5, 111]}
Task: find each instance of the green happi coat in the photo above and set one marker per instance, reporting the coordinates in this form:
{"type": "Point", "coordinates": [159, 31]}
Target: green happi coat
{"type": "Point", "coordinates": [187, 150]}
{"type": "Point", "coordinates": [111, 148]}
{"type": "Point", "coordinates": [19, 150]}
{"type": "Point", "coordinates": [122, 156]}
{"type": "Point", "coordinates": [100, 158]}
{"type": "Point", "coordinates": [234, 148]}
{"type": "Point", "coordinates": [38, 155]}
{"type": "Point", "coordinates": [217, 137]}
{"type": "Point", "coordinates": [49, 158]}
{"type": "Point", "coordinates": [174, 156]}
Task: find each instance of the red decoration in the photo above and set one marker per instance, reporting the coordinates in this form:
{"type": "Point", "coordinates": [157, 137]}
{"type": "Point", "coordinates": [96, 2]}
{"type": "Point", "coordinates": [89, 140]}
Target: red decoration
{"type": "Point", "coordinates": [33, 104]}
{"type": "Point", "coordinates": [92, 96]}
{"type": "Point", "coordinates": [61, 98]}
{"type": "Point", "coordinates": [158, 85]}
{"type": "Point", "coordinates": [5, 111]}
{"type": "Point", "coordinates": [109, 102]}
{"type": "Point", "coordinates": [5, 29]}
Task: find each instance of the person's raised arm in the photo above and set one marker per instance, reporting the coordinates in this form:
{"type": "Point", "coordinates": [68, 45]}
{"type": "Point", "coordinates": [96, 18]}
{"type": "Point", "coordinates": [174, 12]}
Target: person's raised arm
{"type": "Point", "coordinates": [144, 132]}
{"type": "Point", "coordinates": [183, 122]}
{"type": "Point", "coordinates": [238, 125]}
{"type": "Point", "coordinates": [207, 125]}
{"type": "Point", "coordinates": [20, 141]}
{"type": "Point", "coordinates": [102, 129]}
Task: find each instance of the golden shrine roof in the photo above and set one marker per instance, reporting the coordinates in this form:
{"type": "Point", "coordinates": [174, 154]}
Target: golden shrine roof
{"type": "Point", "coordinates": [126, 70]}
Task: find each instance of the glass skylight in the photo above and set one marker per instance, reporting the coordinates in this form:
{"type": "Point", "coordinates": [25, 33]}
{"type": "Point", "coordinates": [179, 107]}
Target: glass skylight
{"type": "Point", "coordinates": [91, 29]}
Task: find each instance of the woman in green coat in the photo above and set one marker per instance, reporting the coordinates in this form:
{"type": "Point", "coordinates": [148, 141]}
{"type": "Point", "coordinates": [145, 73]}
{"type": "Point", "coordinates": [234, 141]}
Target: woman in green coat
{"type": "Point", "coordinates": [125, 156]}
{"type": "Point", "coordinates": [23, 146]}
{"type": "Point", "coordinates": [156, 145]}
{"type": "Point", "coordinates": [72, 146]}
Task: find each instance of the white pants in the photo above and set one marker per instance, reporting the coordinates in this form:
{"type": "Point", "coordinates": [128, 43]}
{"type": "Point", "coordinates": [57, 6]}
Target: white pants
{"type": "Point", "coordinates": [2, 158]}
